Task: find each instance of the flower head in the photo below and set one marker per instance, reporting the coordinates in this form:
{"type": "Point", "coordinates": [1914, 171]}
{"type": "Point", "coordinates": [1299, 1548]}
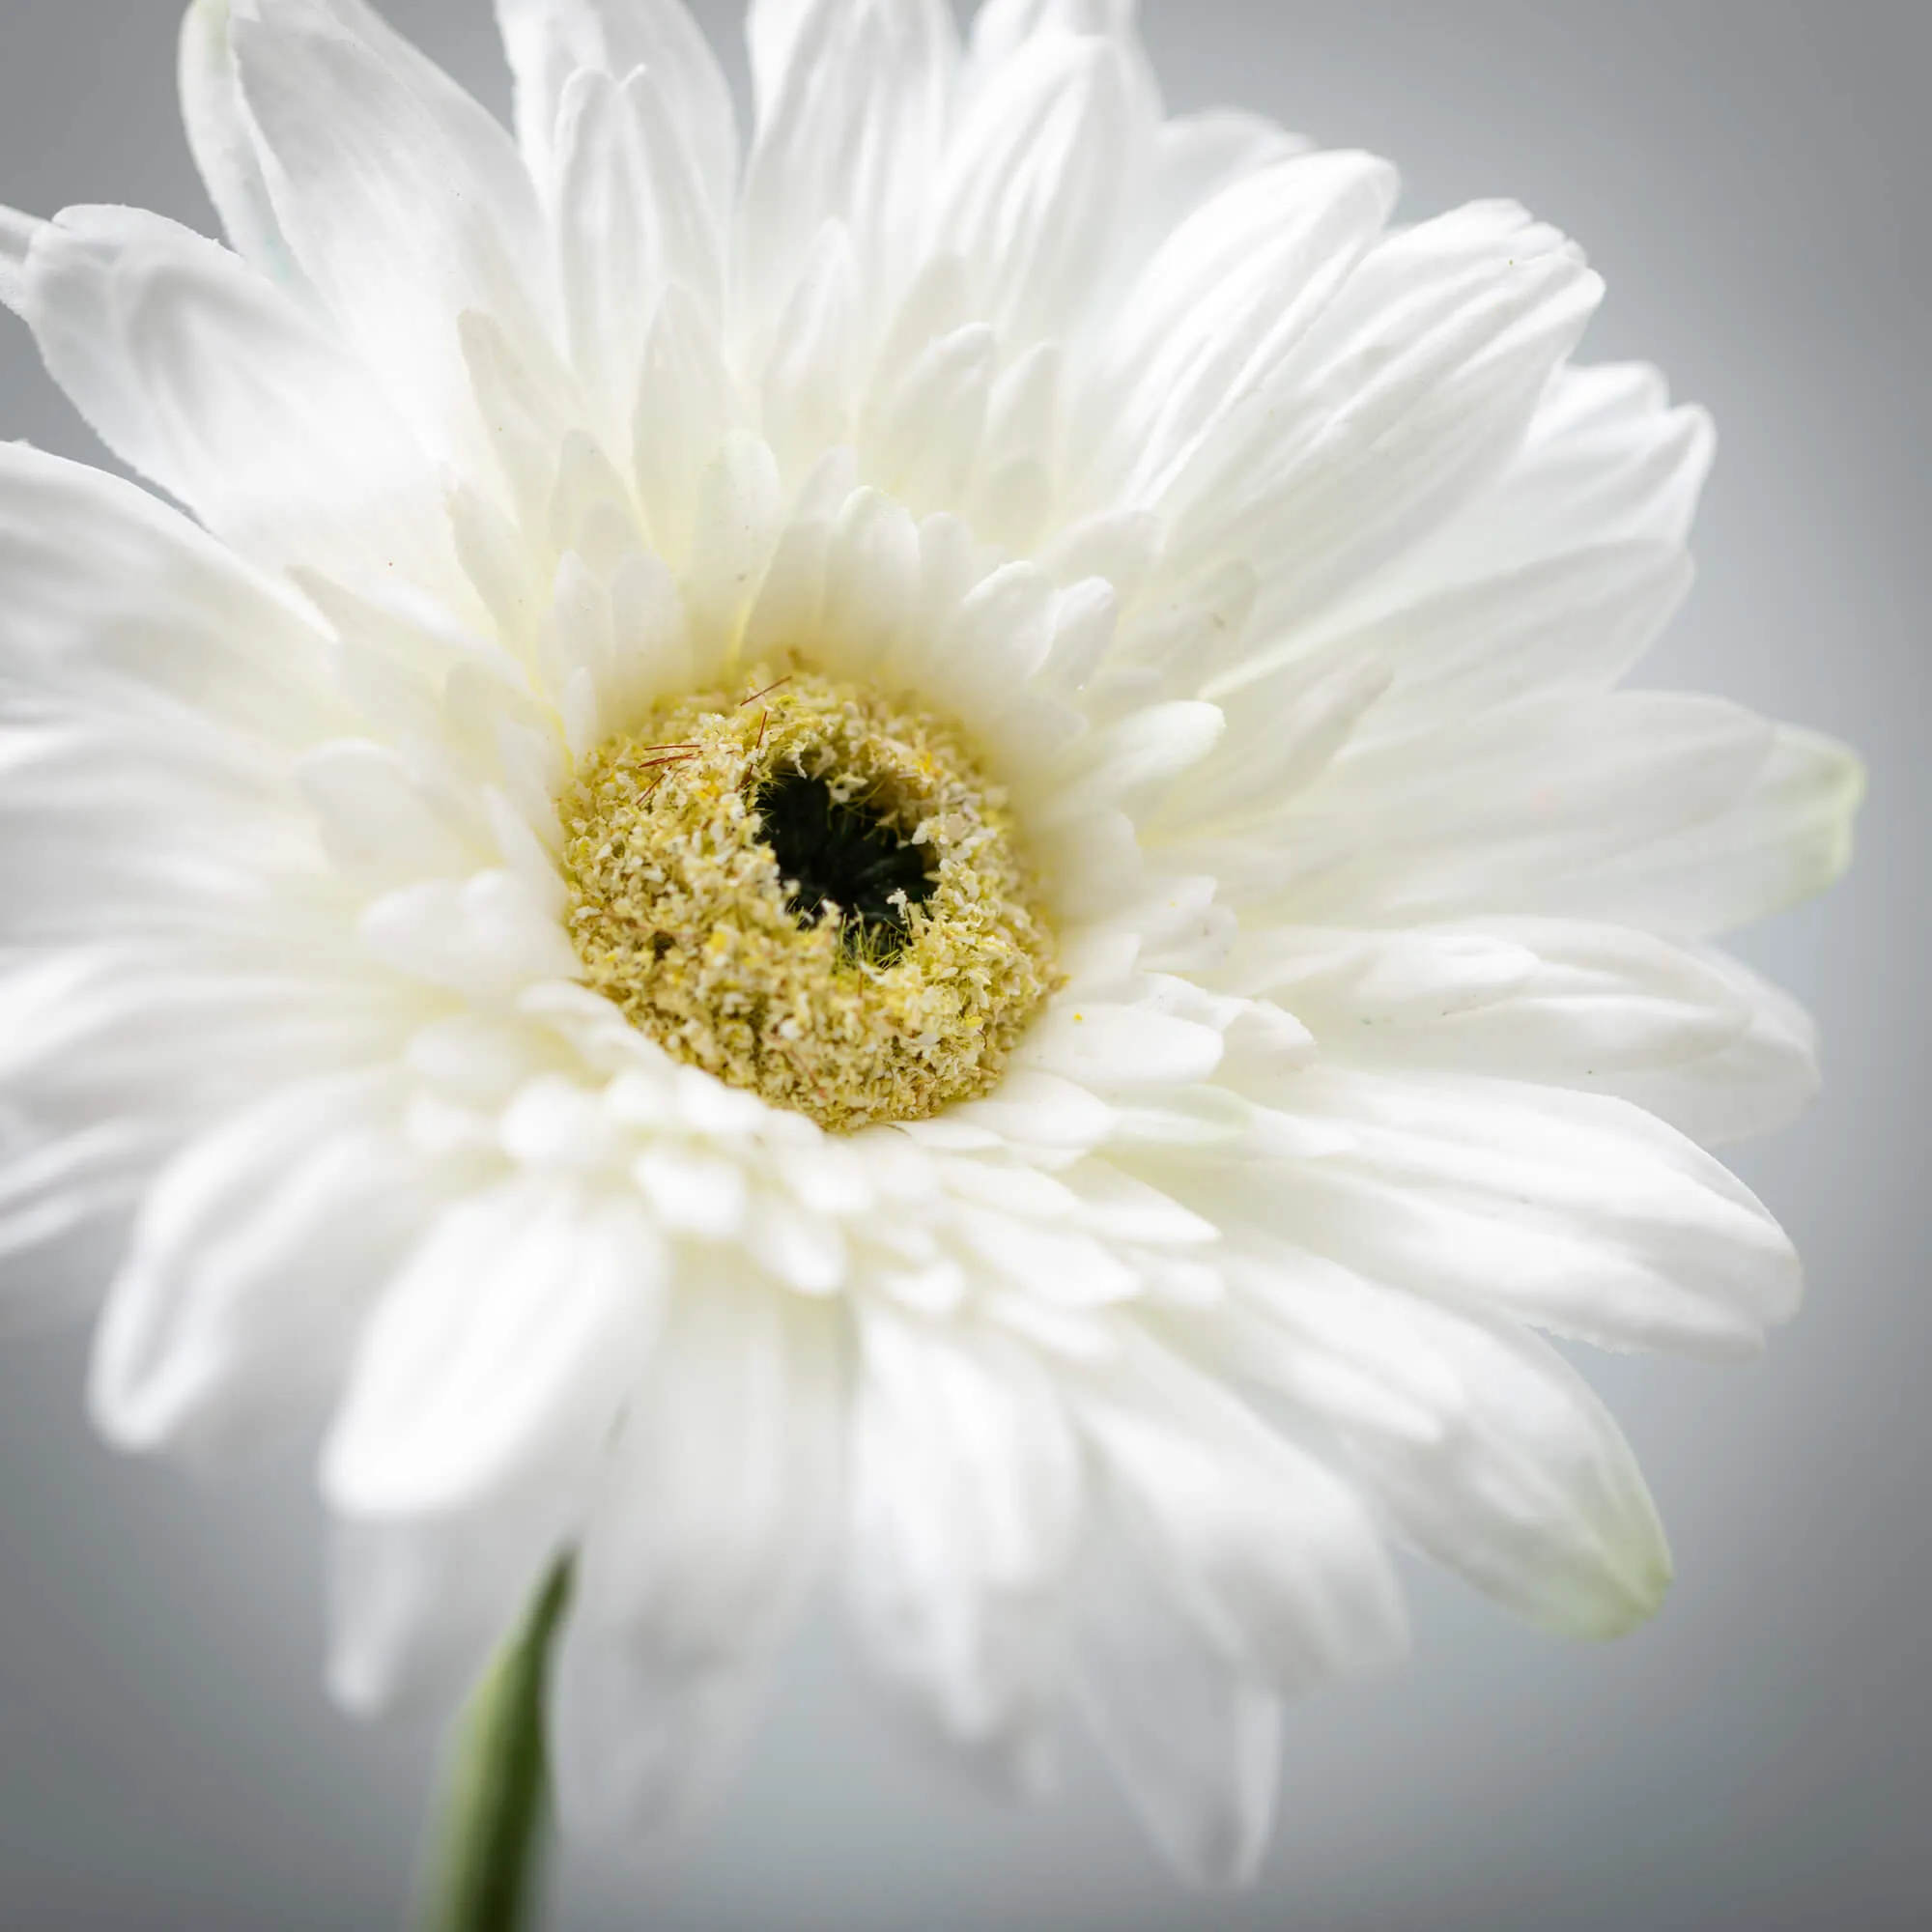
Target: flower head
{"type": "Point", "coordinates": [911, 849]}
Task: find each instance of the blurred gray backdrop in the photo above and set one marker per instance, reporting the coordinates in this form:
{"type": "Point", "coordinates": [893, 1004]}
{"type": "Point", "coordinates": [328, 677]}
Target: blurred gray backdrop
{"type": "Point", "coordinates": [1752, 176]}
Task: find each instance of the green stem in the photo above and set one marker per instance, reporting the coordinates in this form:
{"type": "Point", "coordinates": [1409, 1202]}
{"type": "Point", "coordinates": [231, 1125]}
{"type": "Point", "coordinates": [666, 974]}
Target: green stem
{"type": "Point", "coordinates": [496, 1810]}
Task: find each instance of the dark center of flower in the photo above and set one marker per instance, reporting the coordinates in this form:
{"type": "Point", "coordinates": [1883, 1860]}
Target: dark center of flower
{"type": "Point", "coordinates": [813, 892]}
{"type": "Point", "coordinates": [841, 855]}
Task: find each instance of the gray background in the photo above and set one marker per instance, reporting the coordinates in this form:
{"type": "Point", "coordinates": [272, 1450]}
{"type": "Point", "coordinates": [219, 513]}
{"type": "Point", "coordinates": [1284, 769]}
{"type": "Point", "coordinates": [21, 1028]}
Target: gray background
{"type": "Point", "coordinates": [1750, 176]}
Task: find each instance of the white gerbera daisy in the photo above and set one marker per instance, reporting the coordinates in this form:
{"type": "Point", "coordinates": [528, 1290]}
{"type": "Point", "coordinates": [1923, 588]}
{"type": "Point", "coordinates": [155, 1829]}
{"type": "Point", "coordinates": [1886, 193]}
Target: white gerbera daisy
{"type": "Point", "coordinates": [914, 850]}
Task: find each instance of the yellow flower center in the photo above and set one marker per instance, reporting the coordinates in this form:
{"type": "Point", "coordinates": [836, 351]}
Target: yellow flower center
{"type": "Point", "coordinates": [812, 892]}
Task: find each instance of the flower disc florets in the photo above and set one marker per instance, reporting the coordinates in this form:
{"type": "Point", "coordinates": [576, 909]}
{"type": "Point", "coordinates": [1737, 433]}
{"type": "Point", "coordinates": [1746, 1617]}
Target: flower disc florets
{"type": "Point", "coordinates": [812, 892]}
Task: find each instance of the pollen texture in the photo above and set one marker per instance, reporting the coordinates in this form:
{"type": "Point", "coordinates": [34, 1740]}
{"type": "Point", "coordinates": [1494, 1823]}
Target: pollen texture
{"type": "Point", "coordinates": [811, 892]}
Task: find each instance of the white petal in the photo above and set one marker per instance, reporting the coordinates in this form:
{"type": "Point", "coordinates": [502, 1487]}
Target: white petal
{"type": "Point", "coordinates": [1375, 977]}
{"type": "Point", "coordinates": [811, 374]}
{"type": "Point", "coordinates": [713, 1518]}
{"type": "Point", "coordinates": [1128, 765]}
{"type": "Point", "coordinates": [1600, 497]}
{"type": "Point", "coordinates": [739, 508]}
{"type": "Point", "coordinates": [1038, 1109]}
{"type": "Point", "coordinates": [871, 580]}
{"type": "Point", "coordinates": [1785, 836]}
{"type": "Point", "coordinates": [1285, 730]}
{"type": "Point", "coordinates": [549, 40]}
{"type": "Point", "coordinates": [1196, 156]}
{"type": "Point", "coordinates": [1679, 815]}
{"type": "Point", "coordinates": [1535, 1496]}
{"type": "Point", "coordinates": [1574, 1212]}
{"type": "Point", "coordinates": [1021, 453]}
{"type": "Point", "coordinates": [998, 637]}
{"type": "Point", "coordinates": [1187, 1123]}
{"type": "Point", "coordinates": [66, 1201]}
{"type": "Point", "coordinates": [418, 1608]}
{"type": "Point", "coordinates": [214, 383]}
{"type": "Point", "coordinates": [1194, 1740]}
{"type": "Point", "coordinates": [1121, 545]}
{"type": "Point", "coordinates": [500, 1355]}
{"type": "Point", "coordinates": [17, 238]}
{"type": "Point", "coordinates": [687, 401]}
{"type": "Point", "coordinates": [805, 1251]}
{"type": "Point", "coordinates": [639, 1744]}
{"type": "Point", "coordinates": [922, 433]}
{"type": "Point", "coordinates": [1759, 1081]}
{"type": "Point", "coordinates": [1128, 1210]}
{"type": "Point", "coordinates": [115, 598]}
{"type": "Point", "coordinates": [1071, 1269]}
{"type": "Point", "coordinates": [1450, 330]}
{"type": "Point", "coordinates": [119, 1028]}
{"type": "Point", "coordinates": [721, 1492]}
{"type": "Point", "coordinates": [649, 635]}
{"type": "Point", "coordinates": [1506, 811]}
{"type": "Point", "coordinates": [489, 936]}
{"type": "Point", "coordinates": [528, 417]}
{"type": "Point", "coordinates": [1273, 1561]}
{"type": "Point", "coordinates": [256, 1251]}
{"type": "Point", "coordinates": [1575, 623]}
{"type": "Point", "coordinates": [1003, 29]}
{"type": "Point", "coordinates": [1111, 1049]}
{"type": "Point", "coordinates": [1084, 628]}
{"type": "Point", "coordinates": [1606, 459]}
{"type": "Point", "coordinates": [1330, 1342]}
{"type": "Point", "coordinates": [772, 31]}
{"type": "Point", "coordinates": [378, 817]}
{"type": "Point", "coordinates": [1035, 180]}
{"type": "Point", "coordinates": [1220, 304]}
{"type": "Point", "coordinates": [967, 1501]}
{"type": "Point", "coordinates": [1487, 1450]}
{"type": "Point", "coordinates": [852, 110]}
{"type": "Point", "coordinates": [405, 202]}
{"type": "Point", "coordinates": [605, 222]}
{"type": "Point", "coordinates": [1552, 1000]}
{"type": "Point", "coordinates": [631, 217]}
{"type": "Point", "coordinates": [224, 146]}
{"type": "Point", "coordinates": [693, 1193]}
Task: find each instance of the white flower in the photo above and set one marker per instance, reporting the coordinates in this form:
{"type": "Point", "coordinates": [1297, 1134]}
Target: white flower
{"type": "Point", "coordinates": [1264, 575]}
